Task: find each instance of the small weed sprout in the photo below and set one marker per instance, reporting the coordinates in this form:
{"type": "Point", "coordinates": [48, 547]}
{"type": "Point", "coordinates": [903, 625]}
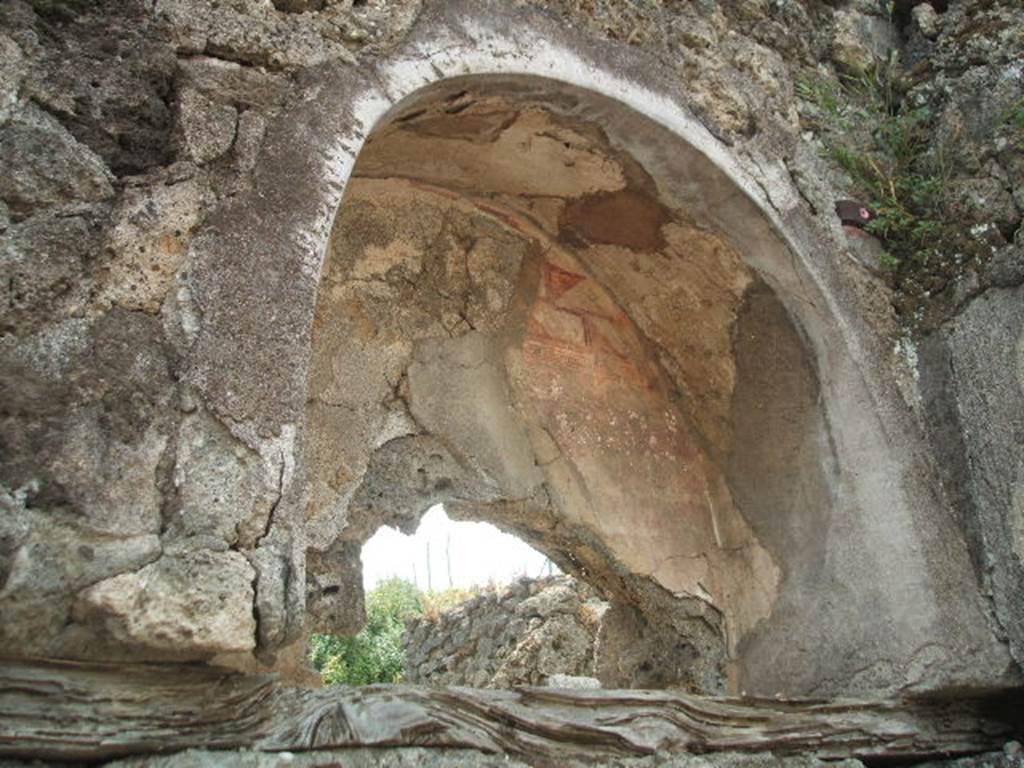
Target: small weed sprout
{"type": "Point", "coordinates": [1013, 119]}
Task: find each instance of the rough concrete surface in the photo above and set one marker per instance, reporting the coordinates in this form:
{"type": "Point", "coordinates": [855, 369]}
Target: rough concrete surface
{"type": "Point", "coordinates": [974, 374]}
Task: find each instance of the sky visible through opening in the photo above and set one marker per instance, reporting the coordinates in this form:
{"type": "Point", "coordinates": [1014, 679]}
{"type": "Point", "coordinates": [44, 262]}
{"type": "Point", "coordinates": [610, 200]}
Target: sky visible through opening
{"type": "Point", "coordinates": [461, 554]}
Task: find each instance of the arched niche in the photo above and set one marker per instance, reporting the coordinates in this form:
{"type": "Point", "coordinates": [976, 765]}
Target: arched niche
{"type": "Point", "coordinates": [828, 556]}
{"type": "Point", "coordinates": [521, 321]}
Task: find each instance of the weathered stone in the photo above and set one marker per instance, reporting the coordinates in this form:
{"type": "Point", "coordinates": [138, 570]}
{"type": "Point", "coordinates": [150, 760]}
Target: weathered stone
{"type": "Point", "coordinates": [46, 260]}
{"type": "Point", "coordinates": [44, 164]}
{"type": "Point", "coordinates": [862, 41]}
{"type": "Point", "coordinates": [572, 682]}
{"type": "Point", "coordinates": [480, 415]}
{"type": "Point", "coordinates": [867, 251]}
{"type": "Point", "coordinates": [488, 642]}
{"type": "Point", "coordinates": [438, 476]}
{"type": "Point", "coordinates": [223, 490]}
{"type": "Point", "coordinates": [986, 199]}
{"type": "Point", "coordinates": [251, 128]}
{"type": "Point", "coordinates": [179, 607]}
{"type": "Point", "coordinates": [12, 70]}
{"type": "Point", "coordinates": [208, 127]}
{"type": "Point", "coordinates": [258, 33]}
{"type": "Point", "coordinates": [227, 82]}
{"type": "Point", "coordinates": [1006, 267]}
{"type": "Point", "coordinates": [43, 563]}
{"type": "Point", "coordinates": [148, 239]}
{"type": "Point", "coordinates": [350, 758]}
{"type": "Point", "coordinates": [279, 575]}
{"type": "Point", "coordinates": [979, 100]}
{"type": "Point", "coordinates": [94, 712]}
{"type": "Point", "coordinates": [334, 595]}
{"type": "Point", "coordinates": [926, 20]}
{"type": "Point", "coordinates": [112, 481]}
{"type": "Point", "coordinates": [685, 390]}
{"type": "Point", "coordinates": [92, 442]}
{"type": "Point", "coordinates": [405, 757]}
{"type": "Point", "coordinates": [550, 601]}
{"type": "Point", "coordinates": [104, 72]}
{"type": "Point", "coordinates": [635, 653]}
{"type": "Point", "coordinates": [298, 6]}
{"type": "Point", "coordinates": [1010, 757]}
{"type": "Point", "coordinates": [972, 375]}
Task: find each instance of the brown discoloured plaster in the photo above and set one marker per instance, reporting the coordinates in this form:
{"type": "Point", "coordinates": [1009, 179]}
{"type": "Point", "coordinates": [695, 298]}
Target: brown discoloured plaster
{"type": "Point", "coordinates": [522, 152]}
{"type": "Point", "coordinates": [478, 126]}
{"type": "Point", "coordinates": [626, 218]}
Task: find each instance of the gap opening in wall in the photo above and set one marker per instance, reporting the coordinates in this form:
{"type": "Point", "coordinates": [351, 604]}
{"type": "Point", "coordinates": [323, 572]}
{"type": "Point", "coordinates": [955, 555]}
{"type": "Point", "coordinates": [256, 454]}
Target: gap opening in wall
{"type": "Point", "coordinates": [435, 602]}
{"type": "Point", "coordinates": [450, 555]}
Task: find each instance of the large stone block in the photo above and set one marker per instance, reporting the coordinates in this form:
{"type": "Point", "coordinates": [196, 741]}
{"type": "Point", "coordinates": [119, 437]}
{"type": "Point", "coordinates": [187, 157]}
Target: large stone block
{"type": "Point", "coordinates": [208, 128]}
{"type": "Point", "coordinates": [148, 239]}
{"type": "Point", "coordinates": [44, 164]}
{"type": "Point", "coordinates": [196, 605]}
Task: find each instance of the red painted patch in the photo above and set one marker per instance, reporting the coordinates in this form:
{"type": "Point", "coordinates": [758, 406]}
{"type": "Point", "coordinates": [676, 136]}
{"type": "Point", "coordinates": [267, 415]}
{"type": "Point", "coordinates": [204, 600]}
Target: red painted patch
{"type": "Point", "coordinates": [560, 356]}
{"type": "Point", "coordinates": [558, 280]}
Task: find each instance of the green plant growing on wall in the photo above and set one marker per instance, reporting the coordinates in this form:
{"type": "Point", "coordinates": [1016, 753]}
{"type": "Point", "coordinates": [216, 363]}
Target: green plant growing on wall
{"type": "Point", "coordinates": [903, 180]}
{"type": "Point", "coordinates": [890, 153]}
{"type": "Point", "coordinates": [1013, 119]}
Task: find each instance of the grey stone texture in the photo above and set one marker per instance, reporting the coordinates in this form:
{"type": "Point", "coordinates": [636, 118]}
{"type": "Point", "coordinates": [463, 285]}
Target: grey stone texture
{"type": "Point", "coordinates": [414, 757]}
{"type": "Point", "coordinates": [208, 128]}
{"type": "Point", "coordinates": [972, 373]}
{"type": "Point", "coordinates": [534, 632]}
{"type": "Point", "coordinates": [408, 757]}
{"type": "Point", "coordinates": [196, 604]}
{"type": "Point", "coordinates": [208, 401]}
{"type": "Point", "coordinates": [44, 164]}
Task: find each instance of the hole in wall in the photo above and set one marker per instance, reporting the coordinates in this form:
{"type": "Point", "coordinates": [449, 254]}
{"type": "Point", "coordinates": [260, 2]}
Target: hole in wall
{"type": "Point", "coordinates": [435, 604]}
{"type": "Point", "coordinates": [450, 554]}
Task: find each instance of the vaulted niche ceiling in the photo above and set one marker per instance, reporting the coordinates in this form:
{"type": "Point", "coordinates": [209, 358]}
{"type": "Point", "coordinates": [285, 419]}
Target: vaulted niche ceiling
{"type": "Point", "coordinates": [518, 318]}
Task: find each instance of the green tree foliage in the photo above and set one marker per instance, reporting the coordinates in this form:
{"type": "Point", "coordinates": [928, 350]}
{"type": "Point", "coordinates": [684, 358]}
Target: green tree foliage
{"type": "Point", "coordinates": [376, 654]}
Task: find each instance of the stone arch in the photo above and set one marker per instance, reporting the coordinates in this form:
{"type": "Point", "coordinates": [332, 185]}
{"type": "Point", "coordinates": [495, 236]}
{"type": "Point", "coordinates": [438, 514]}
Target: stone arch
{"type": "Point", "coordinates": [518, 322]}
{"type": "Point", "coordinates": [876, 574]}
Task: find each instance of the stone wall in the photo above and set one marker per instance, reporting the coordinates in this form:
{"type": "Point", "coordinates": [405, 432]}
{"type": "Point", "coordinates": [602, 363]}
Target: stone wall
{"type": "Point", "coordinates": [188, 466]}
{"type": "Point", "coordinates": [523, 634]}
{"type": "Point", "coordinates": [132, 514]}
{"type": "Point", "coordinates": [557, 632]}
{"type": "Point", "coordinates": [969, 367]}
